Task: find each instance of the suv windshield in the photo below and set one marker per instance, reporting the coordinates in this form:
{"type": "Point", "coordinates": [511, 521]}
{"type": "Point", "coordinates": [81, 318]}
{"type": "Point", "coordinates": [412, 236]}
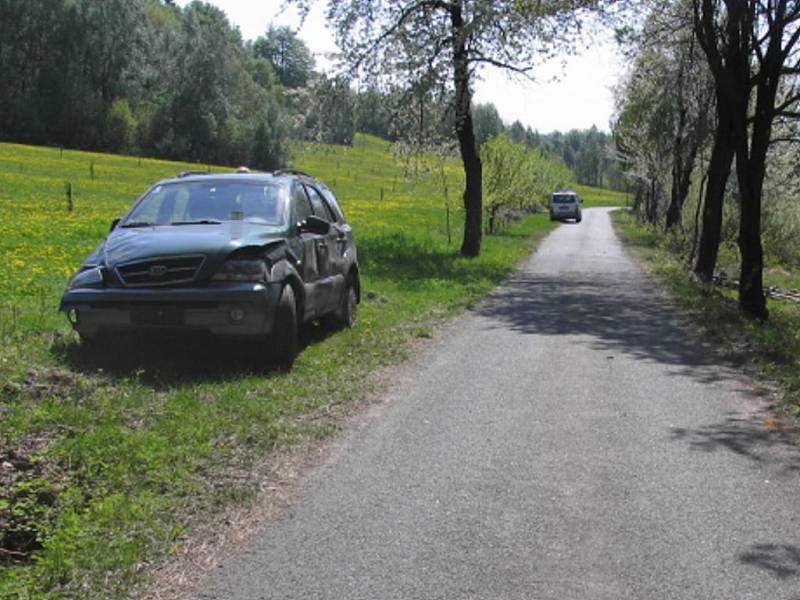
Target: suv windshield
{"type": "Point", "coordinates": [564, 198]}
{"type": "Point", "coordinates": [211, 202]}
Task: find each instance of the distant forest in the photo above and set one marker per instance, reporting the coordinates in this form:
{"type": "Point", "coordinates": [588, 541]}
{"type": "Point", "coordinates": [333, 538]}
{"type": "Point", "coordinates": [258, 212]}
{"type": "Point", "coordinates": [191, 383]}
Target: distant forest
{"type": "Point", "coordinates": [148, 77]}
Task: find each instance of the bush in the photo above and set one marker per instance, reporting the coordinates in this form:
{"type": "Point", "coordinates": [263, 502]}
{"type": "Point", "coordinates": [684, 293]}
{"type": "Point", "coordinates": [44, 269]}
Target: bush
{"type": "Point", "coordinates": [516, 177]}
{"type": "Point", "coordinates": [120, 127]}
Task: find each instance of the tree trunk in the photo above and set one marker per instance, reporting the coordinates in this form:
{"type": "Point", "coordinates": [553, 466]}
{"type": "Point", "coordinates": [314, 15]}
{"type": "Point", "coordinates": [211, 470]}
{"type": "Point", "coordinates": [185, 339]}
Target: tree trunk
{"type": "Point", "coordinates": [719, 169]}
{"type": "Point", "coordinates": [652, 204]}
{"type": "Point", "coordinates": [752, 301]}
{"type": "Point", "coordinates": [751, 158]}
{"type": "Point", "coordinates": [696, 234]}
{"type": "Point", "coordinates": [675, 203]}
{"type": "Point", "coordinates": [677, 195]}
{"type": "Point", "coordinates": [637, 201]}
{"type": "Point", "coordinates": [473, 198]}
{"type": "Point", "coordinates": [682, 169]}
{"type": "Point", "coordinates": [727, 64]}
{"type": "Point", "coordinates": [750, 172]}
{"type": "Point", "coordinates": [686, 144]}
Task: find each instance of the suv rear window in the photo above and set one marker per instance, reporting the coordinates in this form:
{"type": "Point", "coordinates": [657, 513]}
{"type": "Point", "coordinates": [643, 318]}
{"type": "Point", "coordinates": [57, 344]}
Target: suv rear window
{"type": "Point", "coordinates": [564, 198]}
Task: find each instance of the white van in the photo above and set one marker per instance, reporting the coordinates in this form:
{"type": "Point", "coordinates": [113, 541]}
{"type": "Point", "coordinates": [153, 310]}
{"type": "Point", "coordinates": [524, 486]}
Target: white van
{"type": "Point", "coordinates": [565, 204]}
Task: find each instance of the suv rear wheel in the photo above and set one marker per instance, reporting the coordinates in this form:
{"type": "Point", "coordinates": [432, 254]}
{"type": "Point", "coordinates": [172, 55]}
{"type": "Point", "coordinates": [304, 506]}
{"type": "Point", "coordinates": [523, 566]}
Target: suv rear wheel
{"type": "Point", "coordinates": [348, 311]}
{"type": "Point", "coordinates": [284, 334]}
{"type": "Point", "coordinates": [345, 315]}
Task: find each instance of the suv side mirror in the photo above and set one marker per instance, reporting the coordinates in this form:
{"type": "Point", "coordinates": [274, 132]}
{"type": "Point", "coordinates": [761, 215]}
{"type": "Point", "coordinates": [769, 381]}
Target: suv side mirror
{"type": "Point", "coordinates": [315, 225]}
{"type": "Point", "coordinates": [114, 224]}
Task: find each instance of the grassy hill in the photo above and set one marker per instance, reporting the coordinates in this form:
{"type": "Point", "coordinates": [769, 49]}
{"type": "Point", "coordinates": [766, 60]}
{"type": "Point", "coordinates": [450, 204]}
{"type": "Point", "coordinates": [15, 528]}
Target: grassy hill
{"type": "Point", "coordinates": [108, 462]}
{"type": "Point", "coordinates": [592, 196]}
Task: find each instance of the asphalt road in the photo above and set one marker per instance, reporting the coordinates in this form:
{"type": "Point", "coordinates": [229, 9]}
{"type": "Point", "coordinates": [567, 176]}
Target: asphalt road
{"type": "Point", "coordinates": [568, 439]}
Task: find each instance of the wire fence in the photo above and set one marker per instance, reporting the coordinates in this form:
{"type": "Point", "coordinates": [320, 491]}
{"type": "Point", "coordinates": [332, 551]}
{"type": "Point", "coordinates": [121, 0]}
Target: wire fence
{"type": "Point", "coordinates": [771, 291]}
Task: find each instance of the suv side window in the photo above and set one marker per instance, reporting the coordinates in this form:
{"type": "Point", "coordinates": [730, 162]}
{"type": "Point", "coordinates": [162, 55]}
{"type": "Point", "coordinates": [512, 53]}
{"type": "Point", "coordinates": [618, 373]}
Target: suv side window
{"type": "Point", "coordinates": [320, 207]}
{"type": "Point", "coordinates": [333, 204]}
{"type": "Point", "coordinates": [302, 208]}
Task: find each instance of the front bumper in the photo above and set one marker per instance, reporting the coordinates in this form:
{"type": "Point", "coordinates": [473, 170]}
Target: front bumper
{"type": "Point", "coordinates": [221, 309]}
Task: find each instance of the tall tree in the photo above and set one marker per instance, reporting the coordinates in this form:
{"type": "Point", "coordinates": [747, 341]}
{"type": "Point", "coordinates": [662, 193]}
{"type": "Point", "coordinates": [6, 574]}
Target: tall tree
{"type": "Point", "coordinates": [288, 54]}
{"type": "Point", "coordinates": [640, 139]}
{"type": "Point", "coordinates": [442, 43]}
{"type": "Point", "coordinates": [374, 113]}
{"type": "Point", "coordinates": [692, 101]}
{"type": "Point", "coordinates": [671, 97]}
{"type": "Point", "coordinates": [331, 116]}
{"type": "Point", "coordinates": [752, 50]}
{"type": "Point", "coordinates": [487, 122]}
{"type": "Point", "coordinates": [727, 64]}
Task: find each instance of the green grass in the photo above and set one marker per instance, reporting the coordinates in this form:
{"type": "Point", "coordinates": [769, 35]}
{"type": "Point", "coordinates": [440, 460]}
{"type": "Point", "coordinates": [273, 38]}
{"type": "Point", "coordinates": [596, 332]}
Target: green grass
{"type": "Point", "coordinates": [592, 196]}
{"type": "Point", "coordinates": [107, 462]}
{"type": "Point", "coordinates": [769, 350]}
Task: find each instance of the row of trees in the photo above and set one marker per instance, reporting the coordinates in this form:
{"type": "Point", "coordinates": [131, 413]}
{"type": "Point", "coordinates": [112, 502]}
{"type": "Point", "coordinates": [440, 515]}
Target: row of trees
{"type": "Point", "coordinates": [589, 153]}
{"type": "Point", "coordinates": [145, 76]}
{"type": "Point", "coordinates": [714, 92]}
{"type": "Point", "coordinates": [137, 75]}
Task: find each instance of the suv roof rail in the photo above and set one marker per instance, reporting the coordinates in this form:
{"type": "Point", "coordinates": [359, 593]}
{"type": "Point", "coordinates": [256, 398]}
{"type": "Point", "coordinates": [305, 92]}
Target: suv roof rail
{"type": "Point", "coordinates": [188, 173]}
{"type": "Point", "coordinates": [289, 171]}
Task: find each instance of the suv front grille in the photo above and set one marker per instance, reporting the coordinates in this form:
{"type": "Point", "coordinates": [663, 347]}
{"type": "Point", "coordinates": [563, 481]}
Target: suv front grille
{"type": "Point", "coordinates": [171, 270]}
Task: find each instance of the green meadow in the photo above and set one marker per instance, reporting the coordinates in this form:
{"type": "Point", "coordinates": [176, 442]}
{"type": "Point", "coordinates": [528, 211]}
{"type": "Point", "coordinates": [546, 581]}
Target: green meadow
{"type": "Point", "coordinates": [592, 196]}
{"type": "Point", "coordinates": [107, 463]}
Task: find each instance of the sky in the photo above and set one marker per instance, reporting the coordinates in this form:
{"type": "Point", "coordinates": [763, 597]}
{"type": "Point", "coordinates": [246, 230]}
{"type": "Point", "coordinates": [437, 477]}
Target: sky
{"type": "Point", "coordinates": [575, 92]}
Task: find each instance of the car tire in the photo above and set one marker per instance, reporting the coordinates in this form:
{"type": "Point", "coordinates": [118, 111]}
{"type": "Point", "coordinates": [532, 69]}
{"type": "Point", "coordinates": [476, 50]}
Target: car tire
{"type": "Point", "coordinates": [284, 333]}
{"type": "Point", "coordinates": [578, 219]}
{"type": "Point", "coordinates": [347, 313]}
{"type": "Point", "coordinates": [93, 343]}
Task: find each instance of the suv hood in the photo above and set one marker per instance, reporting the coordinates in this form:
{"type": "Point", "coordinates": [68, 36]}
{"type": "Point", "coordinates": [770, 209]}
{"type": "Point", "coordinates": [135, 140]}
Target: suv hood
{"type": "Point", "coordinates": [215, 241]}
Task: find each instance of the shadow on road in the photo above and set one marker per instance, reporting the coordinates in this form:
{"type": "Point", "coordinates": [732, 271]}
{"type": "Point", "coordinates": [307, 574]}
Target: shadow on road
{"type": "Point", "coordinates": [781, 560]}
{"type": "Point", "coordinates": [621, 312]}
{"type": "Point", "coordinates": [760, 439]}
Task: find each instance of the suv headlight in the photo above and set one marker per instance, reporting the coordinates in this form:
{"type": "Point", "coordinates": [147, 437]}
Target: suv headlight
{"type": "Point", "coordinates": [92, 277]}
{"type": "Point", "coordinates": [238, 269]}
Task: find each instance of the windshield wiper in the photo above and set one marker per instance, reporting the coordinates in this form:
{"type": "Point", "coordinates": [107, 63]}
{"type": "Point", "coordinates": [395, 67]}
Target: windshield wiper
{"type": "Point", "coordinates": [198, 222]}
{"type": "Point", "coordinates": [139, 224]}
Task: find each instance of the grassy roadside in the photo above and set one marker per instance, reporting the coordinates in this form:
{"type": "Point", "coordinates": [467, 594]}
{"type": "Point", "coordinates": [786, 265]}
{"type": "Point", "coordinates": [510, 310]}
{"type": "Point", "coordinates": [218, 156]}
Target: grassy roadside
{"type": "Point", "coordinates": [769, 351]}
{"type": "Point", "coordinates": [593, 196]}
{"type": "Point", "coordinates": [106, 461]}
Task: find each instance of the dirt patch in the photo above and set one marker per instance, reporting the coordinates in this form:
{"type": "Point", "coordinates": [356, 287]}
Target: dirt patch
{"type": "Point", "coordinates": [45, 382]}
{"type": "Point", "coordinates": [29, 482]}
{"type": "Point", "coordinates": [25, 500]}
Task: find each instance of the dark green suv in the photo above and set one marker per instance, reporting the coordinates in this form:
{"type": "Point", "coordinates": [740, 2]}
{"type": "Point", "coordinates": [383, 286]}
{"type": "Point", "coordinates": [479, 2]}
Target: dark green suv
{"type": "Point", "coordinates": [245, 254]}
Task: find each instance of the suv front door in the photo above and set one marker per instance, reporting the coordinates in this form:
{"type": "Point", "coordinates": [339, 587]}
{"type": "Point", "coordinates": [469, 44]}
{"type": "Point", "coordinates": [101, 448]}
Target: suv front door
{"type": "Point", "coordinates": [329, 252]}
{"type": "Point", "coordinates": [310, 270]}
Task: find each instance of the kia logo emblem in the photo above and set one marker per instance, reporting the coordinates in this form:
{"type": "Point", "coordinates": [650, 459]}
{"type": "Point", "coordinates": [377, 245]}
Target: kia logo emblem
{"type": "Point", "coordinates": [157, 270]}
